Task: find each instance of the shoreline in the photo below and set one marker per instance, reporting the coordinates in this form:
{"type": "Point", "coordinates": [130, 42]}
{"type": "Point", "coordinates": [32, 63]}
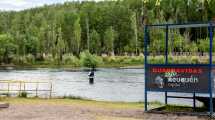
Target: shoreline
{"type": "Point", "coordinates": [67, 67]}
{"type": "Point", "coordinates": [64, 109]}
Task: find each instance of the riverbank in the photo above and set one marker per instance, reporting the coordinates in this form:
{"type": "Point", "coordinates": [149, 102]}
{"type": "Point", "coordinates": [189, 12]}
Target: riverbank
{"type": "Point", "coordinates": [69, 67]}
{"type": "Point", "coordinates": [69, 109]}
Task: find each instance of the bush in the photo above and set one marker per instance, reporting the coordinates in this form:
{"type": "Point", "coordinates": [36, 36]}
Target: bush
{"type": "Point", "coordinates": [30, 58]}
{"type": "Point", "coordinates": [23, 94]}
{"type": "Point", "coordinates": [89, 60]}
{"type": "Point", "coordinates": [156, 60]}
{"type": "Point", "coordinates": [69, 59]}
{"type": "Point", "coordinates": [194, 60]}
{"type": "Point", "coordinates": [137, 59]}
{"type": "Point", "coordinates": [19, 60]}
{"type": "Point", "coordinates": [48, 59]}
{"type": "Point", "coordinates": [123, 59]}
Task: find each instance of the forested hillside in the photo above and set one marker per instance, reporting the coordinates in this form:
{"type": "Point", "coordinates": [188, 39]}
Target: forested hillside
{"type": "Point", "coordinates": [110, 27]}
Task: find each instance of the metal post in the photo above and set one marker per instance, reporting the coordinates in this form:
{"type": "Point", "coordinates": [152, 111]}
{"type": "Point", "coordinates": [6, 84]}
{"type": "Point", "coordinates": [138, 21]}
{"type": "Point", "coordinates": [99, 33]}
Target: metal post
{"type": "Point", "coordinates": [50, 94]}
{"type": "Point", "coordinates": [8, 88]}
{"type": "Point", "coordinates": [194, 100]}
{"type": "Point", "coordinates": [166, 55]}
{"type": "Point", "coordinates": [145, 64]}
{"type": "Point", "coordinates": [210, 65]}
{"type": "Point", "coordinates": [37, 89]}
{"type": "Point", "coordinates": [20, 88]}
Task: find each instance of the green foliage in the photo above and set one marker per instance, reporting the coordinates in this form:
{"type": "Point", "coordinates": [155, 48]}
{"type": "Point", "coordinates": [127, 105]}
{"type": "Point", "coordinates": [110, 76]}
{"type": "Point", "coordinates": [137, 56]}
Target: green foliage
{"type": "Point", "coordinates": [7, 47]}
{"type": "Point", "coordinates": [52, 32]}
{"type": "Point", "coordinates": [156, 60]}
{"type": "Point", "coordinates": [120, 60]}
{"type": "Point", "coordinates": [69, 59]}
{"type": "Point", "coordinates": [204, 45]}
{"type": "Point", "coordinates": [89, 60]}
{"type": "Point", "coordinates": [95, 42]}
{"type": "Point", "coordinates": [77, 35]}
{"type": "Point", "coordinates": [109, 38]}
{"type": "Point", "coordinates": [30, 59]}
{"type": "Point", "coordinates": [23, 94]}
{"type": "Point", "coordinates": [23, 60]}
{"type": "Point", "coordinates": [60, 47]}
{"type": "Point", "coordinates": [49, 59]}
{"type": "Point", "coordinates": [73, 97]}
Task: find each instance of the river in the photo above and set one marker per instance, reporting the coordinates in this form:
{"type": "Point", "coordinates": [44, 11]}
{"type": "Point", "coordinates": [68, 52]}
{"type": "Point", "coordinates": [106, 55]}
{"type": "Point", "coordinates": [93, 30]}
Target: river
{"type": "Point", "coordinates": [111, 84]}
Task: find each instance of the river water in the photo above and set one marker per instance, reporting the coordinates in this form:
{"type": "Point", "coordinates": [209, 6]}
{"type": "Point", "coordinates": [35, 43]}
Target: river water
{"type": "Point", "coordinates": [110, 84]}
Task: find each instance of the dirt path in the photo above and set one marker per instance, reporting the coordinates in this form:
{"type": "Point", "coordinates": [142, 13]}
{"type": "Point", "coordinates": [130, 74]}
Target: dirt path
{"type": "Point", "coordinates": [43, 111]}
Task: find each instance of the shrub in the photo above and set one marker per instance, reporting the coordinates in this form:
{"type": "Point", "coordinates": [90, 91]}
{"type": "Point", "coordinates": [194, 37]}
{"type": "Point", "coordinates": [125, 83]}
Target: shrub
{"type": "Point", "coordinates": [73, 97]}
{"type": "Point", "coordinates": [30, 58]}
{"type": "Point", "coordinates": [19, 60]}
{"type": "Point", "coordinates": [156, 60]}
{"type": "Point", "coordinates": [89, 60]}
{"type": "Point", "coordinates": [137, 59]}
{"type": "Point", "coordinates": [48, 59]}
{"type": "Point", "coordinates": [194, 60]}
{"type": "Point", "coordinates": [69, 59]}
{"type": "Point", "coordinates": [23, 94]}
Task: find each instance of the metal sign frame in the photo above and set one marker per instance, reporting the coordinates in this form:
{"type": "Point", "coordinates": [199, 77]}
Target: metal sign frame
{"type": "Point", "coordinates": [167, 27]}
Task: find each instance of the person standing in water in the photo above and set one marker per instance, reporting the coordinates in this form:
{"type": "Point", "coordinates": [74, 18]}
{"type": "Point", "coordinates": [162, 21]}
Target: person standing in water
{"type": "Point", "coordinates": [91, 76]}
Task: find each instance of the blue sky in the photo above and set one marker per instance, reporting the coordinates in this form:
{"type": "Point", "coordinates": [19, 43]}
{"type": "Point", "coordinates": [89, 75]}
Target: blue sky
{"type": "Point", "coordinates": [24, 4]}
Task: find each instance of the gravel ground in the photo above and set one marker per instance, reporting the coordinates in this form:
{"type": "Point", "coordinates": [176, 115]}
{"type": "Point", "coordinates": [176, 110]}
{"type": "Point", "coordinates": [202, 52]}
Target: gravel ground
{"type": "Point", "coordinates": [79, 112]}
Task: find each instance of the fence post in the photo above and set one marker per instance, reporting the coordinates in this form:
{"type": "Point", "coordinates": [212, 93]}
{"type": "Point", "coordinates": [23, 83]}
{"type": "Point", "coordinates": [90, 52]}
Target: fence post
{"type": "Point", "coordinates": [20, 87]}
{"type": "Point", "coordinates": [37, 89]}
{"type": "Point", "coordinates": [50, 94]}
{"type": "Point", "coordinates": [8, 88]}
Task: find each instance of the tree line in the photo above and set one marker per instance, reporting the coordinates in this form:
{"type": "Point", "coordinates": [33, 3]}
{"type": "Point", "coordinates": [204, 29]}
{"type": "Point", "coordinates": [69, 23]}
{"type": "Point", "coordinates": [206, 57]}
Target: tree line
{"type": "Point", "coordinates": [110, 27]}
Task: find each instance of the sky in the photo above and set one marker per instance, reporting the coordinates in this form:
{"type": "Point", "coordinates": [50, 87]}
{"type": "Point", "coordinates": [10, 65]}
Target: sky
{"type": "Point", "coordinates": [25, 4]}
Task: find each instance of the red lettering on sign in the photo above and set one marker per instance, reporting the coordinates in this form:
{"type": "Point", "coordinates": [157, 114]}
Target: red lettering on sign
{"type": "Point", "coordinates": [178, 70]}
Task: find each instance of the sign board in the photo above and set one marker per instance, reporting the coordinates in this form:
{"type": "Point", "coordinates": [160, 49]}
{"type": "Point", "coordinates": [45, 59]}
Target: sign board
{"type": "Point", "coordinates": [178, 78]}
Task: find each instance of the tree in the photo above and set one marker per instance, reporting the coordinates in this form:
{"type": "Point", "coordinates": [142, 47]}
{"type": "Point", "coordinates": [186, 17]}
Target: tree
{"type": "Point", "coordinates": [109, 38]}
{"type": "Point", "coordinates": [95, 43]}
{"type": "Point", "coordinates": [7, 47]}
{"type": "Point", "coordinates": [88, 33]}
{"type": "Point", "coordinates": [60, 46]}
{"type": "Point", "coordinates": [77, 35]}
{"type": "Point", "coordinates": [135, 30]}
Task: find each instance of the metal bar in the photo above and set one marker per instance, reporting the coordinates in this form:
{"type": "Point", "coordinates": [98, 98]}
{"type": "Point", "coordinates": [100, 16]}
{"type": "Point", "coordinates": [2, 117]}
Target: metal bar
{"type": "Point", "coordinates": [25, 90]}
{"type": "Point", "coordinates": [180, 97]}
{"type": "Point", "coordinates": [174, 91]}
{"type": "Point", "coordinates": [210, 65]}
{"type": "Point", "coordinates": [194, 100]}
{"type": "Point", "coordinates": [145, 64]}
{"type": "Point", "coordinates": [166, 56]}
{"type": "Point", "coordinates": [166, 44]}
{"type": "Point", "coordinates": [8, 81]}
{"type": "Point", "coordinates": [184, 25]}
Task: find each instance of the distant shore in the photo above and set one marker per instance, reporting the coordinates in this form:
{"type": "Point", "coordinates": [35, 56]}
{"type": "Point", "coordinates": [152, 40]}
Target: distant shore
{"type": "Point", "coordinates": [70, 67]}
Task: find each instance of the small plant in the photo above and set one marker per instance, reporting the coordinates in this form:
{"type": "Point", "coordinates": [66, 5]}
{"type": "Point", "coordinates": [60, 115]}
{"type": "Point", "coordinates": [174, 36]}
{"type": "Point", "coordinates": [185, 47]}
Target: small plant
{"type": "Point", "coordinates": [73, 97]}
{"type": "Point", "coordinates": [156, 60]}
{"type": "Point", "coordinates": [69, 59]}
{"type": "Point", "coordinates": [23, 94]}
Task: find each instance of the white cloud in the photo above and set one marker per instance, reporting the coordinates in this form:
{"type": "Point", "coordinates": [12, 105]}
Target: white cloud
{"type": "Point", "coordinates": [24, 4]}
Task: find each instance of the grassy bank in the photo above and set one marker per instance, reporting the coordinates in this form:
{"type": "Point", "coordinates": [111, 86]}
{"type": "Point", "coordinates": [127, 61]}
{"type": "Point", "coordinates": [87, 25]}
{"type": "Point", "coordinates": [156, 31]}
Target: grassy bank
{"type": "Point", "coordinates": [86, 60]}
{"type": "Point", "coordinates": [82, 102]}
